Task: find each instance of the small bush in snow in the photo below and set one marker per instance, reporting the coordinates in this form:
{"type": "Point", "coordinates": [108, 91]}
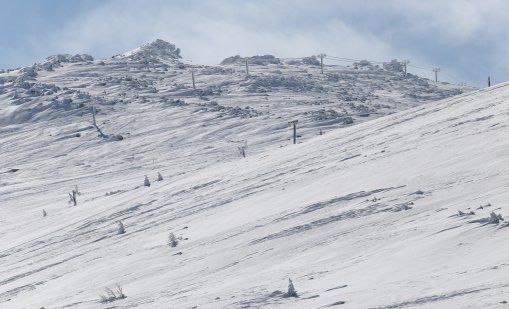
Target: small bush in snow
{"type": "Point", "coordinates": [242, 151]}
{"type": "Point", "coordinates": [113, 192]}
{"type": "Point", "coordinates": [159, 177]}
{"type": "Point", "coordinates": [146, 183]}
{"type": "Point", "coordinates": [394, 66]}
{"type": "Point", "coordinates": [310, 60]}
{"type": "Point", "coordinates": [44, 213]}
{"type": "Point", "coordinates": [172, 240]}
{"type": "Point", "coordinates": [461, 213]}
{"type": "Point", "coordinates": [112, 294]}
{"type": "Point", "coordinates": [291, 290]}
{"type": "Point", "coordinates": [72, 198]}
{"type": "Point", "coordinates": [121, 229]}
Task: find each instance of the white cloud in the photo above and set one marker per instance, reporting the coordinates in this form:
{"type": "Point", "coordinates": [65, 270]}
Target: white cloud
{"type": "Point", "coordinates": [208, 33]}
{"type": "Point", "coordinates": [459, 20]}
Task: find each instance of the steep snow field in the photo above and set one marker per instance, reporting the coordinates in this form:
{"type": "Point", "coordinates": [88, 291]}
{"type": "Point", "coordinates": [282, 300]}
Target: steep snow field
{"type": "Point", "coordinates": [373, 215]}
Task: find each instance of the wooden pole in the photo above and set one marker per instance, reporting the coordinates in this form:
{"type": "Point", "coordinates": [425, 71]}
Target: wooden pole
{"type": "Point", "coordinates": [192, 76]}
{"type": "Point", "coordinates": [321, 62]}
{"type": "Point", "coordinates": [294, 122]}
{"type": "Point", "coordinates": [93, 115]}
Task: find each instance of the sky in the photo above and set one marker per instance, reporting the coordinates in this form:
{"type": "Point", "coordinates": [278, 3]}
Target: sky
{"type": "Point", "coordinates": [466, 39]}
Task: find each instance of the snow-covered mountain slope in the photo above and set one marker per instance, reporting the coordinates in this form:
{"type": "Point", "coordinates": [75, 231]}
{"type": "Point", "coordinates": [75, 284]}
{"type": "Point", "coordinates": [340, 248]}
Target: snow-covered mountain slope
{"type": "Point", "coordinates": [376, 215]}
{"type": "Point", "coordinates": [155, 74]}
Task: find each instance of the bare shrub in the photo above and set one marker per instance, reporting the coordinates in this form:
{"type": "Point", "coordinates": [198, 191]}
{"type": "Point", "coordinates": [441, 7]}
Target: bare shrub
{"type": "Point", "coordinates": [72, 198]}
{"type": "Point", "coordinates": [242, 150]}
{"type": "Point", "coordinates": [112, 294]}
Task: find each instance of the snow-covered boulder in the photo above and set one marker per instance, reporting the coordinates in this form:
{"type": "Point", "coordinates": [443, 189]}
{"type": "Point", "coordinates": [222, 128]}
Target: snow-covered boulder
{"type": "Point", "coordinates": [81, 58]}
{"type": "Point", "coordinates": [394, 66]}
{"type": "Point", "coordinates": [311, 61]}
{"type": "Point", "coordinates": [364, 65]}
{"type": "Point", "coordinates": [155, 51]}
{"type": "Point", "coordinates": [255, 60]}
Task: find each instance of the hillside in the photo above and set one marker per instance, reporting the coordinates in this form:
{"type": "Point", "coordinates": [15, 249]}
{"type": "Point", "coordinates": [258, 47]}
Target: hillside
{"type": "Point", "coordinates": [155, 73]}
{"type": "Point", "coordinates": [372, 215]}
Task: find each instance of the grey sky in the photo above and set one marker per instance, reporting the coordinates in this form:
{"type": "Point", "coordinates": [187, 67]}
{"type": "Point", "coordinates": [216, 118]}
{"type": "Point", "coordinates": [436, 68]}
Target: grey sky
{"type": "Point", "coordinates": [465, 38]}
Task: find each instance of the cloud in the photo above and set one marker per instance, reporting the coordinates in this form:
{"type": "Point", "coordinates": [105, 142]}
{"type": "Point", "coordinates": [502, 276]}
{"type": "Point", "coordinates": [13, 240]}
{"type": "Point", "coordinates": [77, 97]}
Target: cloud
{"type": "Point", "coordinates": [208, 32]}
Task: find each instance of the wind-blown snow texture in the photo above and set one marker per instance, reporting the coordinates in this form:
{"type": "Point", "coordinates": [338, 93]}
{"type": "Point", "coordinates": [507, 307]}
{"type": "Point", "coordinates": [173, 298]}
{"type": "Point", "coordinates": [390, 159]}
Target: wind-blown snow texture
{"type": "Point", "coordinates": [389, 213]}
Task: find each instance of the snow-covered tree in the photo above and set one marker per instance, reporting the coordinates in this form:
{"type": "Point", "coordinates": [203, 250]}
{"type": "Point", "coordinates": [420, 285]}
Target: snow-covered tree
{"type": "Point", "coordinates": [310, 61]}
{"type": "Point", "coordinates": [121, 229]}
{"type": "Point", "coordinates": [394, 66]}
{"type": "Point", "coordinates": [172, 240]}
{"type": "Point", "coordinates": [494, 218]}
{"type": "Point", "coordinates": [291, 290]}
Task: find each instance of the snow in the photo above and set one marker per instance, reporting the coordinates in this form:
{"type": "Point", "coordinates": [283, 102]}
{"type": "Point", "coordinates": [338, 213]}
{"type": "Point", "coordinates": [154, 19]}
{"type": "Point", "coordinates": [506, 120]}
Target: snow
{"type": "Point", "coordinates": [154, 51]}
{"type": "Point", "coordinates": [363, 216]}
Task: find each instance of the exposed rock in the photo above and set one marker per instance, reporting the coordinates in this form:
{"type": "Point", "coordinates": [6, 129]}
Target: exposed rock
{"type": "Point", "coordinates": [255, 60]}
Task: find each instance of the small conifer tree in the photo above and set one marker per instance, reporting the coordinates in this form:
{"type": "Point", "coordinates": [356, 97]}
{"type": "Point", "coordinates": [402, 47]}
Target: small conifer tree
{"type": "Point", "coordinates": [121, 229]}
{"type": "Point", "coordinates": [291, 290]}
{"type": "Point", "coordinates": [172, 240]}
{"type": "Point", "coordinates": [146, 183]}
